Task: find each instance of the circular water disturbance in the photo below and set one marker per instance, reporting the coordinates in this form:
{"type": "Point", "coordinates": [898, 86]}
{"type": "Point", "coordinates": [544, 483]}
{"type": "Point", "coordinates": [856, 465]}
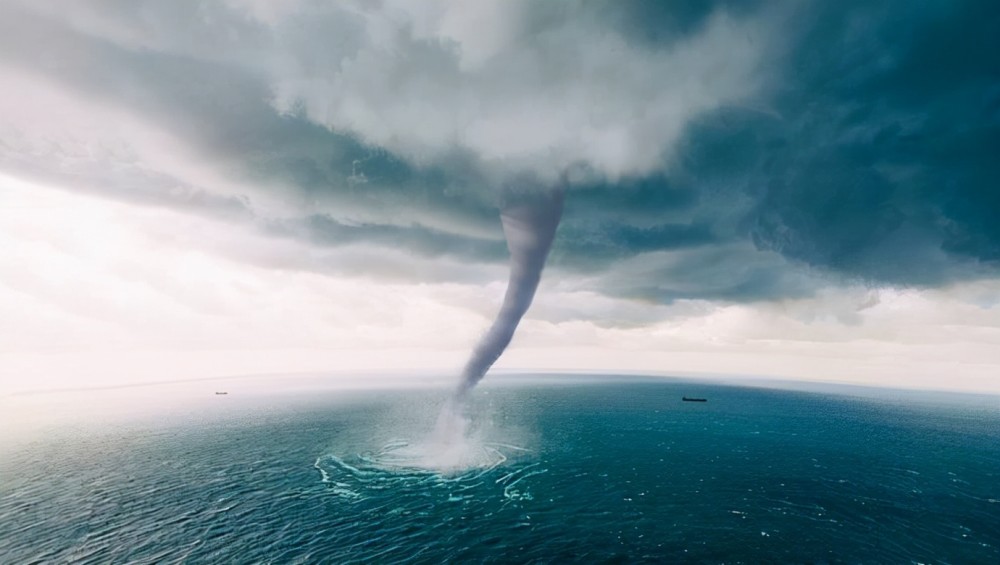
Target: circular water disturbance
{"type": "Point", "coordinates": [453, 459]}
{"type": "Point", "coordinates": [401, 469]}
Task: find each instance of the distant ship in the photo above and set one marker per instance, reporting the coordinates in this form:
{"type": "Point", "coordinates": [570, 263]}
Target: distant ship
{"type": "Point", "coordinates": [221, 393]}
{"type": "Point", "coordinates": [689, 399]}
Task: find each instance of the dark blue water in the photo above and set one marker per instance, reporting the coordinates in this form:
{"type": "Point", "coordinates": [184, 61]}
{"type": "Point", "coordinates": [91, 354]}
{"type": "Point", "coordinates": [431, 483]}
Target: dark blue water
{"type": "Point", "coordinates": [589, 472]}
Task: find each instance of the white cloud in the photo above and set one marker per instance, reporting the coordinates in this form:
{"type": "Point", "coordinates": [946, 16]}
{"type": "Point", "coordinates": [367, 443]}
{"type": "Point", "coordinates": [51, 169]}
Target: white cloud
{"type": "Point", "coordinates": [427, 81]}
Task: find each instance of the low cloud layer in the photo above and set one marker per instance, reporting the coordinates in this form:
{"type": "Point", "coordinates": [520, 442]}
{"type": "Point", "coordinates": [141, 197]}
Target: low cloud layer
{"type": "Point", "coordinates": [101, 292]}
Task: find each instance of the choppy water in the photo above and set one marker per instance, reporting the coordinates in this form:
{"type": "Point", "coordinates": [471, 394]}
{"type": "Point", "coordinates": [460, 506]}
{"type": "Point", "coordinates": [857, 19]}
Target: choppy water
{"type": "Point", "coordinates": [588, 472]}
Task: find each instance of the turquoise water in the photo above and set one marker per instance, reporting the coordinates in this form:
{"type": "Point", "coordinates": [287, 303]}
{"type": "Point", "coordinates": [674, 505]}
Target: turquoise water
{"type": "Point", "coordinates": [588, 471]}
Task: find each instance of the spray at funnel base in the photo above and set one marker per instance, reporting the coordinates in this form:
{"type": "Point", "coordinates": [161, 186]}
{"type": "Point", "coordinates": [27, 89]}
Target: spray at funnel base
{"type": "Point", "coordinates": [529, 227]}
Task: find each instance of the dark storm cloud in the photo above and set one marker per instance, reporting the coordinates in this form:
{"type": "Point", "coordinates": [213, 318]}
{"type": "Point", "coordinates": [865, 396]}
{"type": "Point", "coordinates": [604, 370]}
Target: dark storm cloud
{"type": "Point", "coordinates": [873, 159]}
{"type": "Point", "coordinates": [660, 24]}
{"type": "Point", "coordinates": [880, 157]}
{"type": "Point", "coordinates": [868, 154]}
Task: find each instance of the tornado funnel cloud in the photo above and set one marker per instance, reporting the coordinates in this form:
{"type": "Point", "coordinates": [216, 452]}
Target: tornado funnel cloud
{"type": "Point", "coordinates": [529, 225]}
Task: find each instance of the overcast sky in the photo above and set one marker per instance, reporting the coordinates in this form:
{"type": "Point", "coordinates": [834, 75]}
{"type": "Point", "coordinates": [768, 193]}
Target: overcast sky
{"type": "Point", "coordinates": [804, 190]}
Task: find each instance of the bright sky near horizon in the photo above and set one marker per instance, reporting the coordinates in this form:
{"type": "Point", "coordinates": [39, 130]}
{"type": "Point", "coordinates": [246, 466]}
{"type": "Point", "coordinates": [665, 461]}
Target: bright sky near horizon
{"type": "Point", "coordinates": [794, 190]}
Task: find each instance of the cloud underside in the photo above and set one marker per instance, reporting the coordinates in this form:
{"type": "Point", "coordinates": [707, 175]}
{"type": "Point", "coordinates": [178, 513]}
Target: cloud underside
{"type": "Point", "coordinates": [740, 151]}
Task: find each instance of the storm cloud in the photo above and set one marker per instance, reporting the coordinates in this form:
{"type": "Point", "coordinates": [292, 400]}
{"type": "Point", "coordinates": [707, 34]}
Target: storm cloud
{"type": "Point", "coordinates": [739, 151]}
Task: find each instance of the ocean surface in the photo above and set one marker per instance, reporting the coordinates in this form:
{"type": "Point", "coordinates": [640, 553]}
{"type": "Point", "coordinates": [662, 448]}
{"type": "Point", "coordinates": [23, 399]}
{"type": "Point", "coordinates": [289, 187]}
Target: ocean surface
{"type": "Point", "coordinates": [551, 470]}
